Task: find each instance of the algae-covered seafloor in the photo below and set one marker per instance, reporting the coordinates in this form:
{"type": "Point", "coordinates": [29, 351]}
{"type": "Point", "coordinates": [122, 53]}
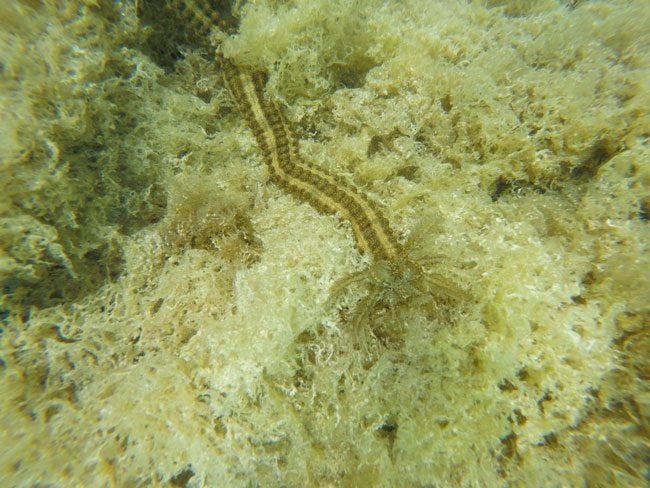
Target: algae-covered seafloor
{"type": "Point", "coordinates": [171, 317]}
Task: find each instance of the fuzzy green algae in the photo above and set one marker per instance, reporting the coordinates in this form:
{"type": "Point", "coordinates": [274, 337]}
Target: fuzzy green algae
{"type": "Point", "coordinates": [165, 308]}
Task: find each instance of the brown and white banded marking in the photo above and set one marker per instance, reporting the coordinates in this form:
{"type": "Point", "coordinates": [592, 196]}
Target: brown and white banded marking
{"type": "Point", "coordinates": [325, 192]}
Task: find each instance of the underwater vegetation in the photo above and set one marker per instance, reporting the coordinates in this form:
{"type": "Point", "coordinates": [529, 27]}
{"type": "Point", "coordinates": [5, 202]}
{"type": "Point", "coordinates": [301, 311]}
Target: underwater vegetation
{"type": "Point", "coordinates": [324, 243]}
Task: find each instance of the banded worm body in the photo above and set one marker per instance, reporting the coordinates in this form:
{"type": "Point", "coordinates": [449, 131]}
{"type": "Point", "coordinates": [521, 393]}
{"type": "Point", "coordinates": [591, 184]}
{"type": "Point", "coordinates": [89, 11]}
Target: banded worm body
{"type": "Point", "coordinates": [399, 277]}
{"type": "Point", "coordinates": [393, 280]}
{"type": "Point", "coordinates": [325, 192]}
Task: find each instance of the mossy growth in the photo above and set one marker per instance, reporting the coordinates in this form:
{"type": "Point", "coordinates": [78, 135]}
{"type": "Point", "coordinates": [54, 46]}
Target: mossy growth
{"type": "Point", "coordinates": [167, 314]}
{"type": "Point", "coordinates": [73, 123]}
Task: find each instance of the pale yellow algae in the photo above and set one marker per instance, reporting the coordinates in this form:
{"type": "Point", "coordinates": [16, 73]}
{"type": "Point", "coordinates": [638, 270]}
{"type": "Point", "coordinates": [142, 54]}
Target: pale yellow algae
{"type": "Point", "coordinates": [167, 311]}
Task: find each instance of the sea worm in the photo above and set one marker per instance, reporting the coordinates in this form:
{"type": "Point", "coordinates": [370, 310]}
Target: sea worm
{"type": "Point", "coordinates": [325, 192]}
